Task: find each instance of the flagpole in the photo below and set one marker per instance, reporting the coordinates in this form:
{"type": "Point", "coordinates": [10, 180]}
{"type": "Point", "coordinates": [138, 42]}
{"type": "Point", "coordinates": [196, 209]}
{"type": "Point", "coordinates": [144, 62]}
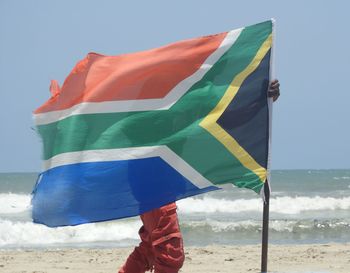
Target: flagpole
{"type": "Point", "coordinates": [267, 189]}
{"type": "Point", "coordinates": [265, 228]}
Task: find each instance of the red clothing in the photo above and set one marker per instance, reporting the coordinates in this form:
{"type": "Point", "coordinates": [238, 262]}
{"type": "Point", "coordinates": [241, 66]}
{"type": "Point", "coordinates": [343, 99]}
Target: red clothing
{"type": "Point", "coordinates": [161, 246]}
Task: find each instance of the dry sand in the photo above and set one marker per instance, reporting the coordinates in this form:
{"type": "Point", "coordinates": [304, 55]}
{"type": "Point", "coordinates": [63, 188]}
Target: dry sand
{"type": "Point", "coordinates": [333, 258]}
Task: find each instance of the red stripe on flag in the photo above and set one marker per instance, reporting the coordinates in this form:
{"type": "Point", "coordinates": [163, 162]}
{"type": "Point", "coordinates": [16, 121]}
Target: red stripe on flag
{"type": "Point", "coordinates": [143, 75]}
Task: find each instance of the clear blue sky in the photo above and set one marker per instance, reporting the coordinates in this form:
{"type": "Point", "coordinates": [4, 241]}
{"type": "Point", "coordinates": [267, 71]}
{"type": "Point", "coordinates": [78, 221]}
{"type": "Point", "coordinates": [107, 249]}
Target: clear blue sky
{"type": "Point", "coordinates": [42, 40]}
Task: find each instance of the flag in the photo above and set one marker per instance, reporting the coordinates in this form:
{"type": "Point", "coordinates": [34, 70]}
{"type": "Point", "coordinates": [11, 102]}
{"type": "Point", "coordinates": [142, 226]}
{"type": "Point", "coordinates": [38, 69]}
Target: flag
{"type": "Point", "coordinates": [129, 133]}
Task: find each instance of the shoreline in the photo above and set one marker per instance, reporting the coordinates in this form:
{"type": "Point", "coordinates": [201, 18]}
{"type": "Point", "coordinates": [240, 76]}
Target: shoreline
{"type": "Point", "coordinates": [325, 258]}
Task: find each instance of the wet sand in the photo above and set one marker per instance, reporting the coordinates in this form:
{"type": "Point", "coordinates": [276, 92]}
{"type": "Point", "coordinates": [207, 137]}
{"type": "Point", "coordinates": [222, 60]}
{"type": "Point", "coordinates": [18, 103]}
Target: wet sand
{"type": "Point", "coordinates": [323, 258]}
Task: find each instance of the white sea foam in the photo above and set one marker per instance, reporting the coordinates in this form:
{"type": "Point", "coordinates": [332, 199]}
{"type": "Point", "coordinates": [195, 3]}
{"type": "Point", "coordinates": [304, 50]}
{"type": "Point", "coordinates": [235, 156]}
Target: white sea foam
{"type": "Point", "coordinates": [274, 225]}
{"type": "Point", "coordinates": [284, 205]}
{"type": "Point", "coordinates": [218, 226]}
{"type": "Point", "coordinates": [27, 234]}
{"type": "Point", "coordinates": [14, 203]}
{"type": "Point", "coordinates": [341, 178]}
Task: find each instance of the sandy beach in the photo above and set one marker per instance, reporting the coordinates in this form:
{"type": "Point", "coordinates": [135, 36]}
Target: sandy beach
{"type": "Point", "coordinates": [323, 258]}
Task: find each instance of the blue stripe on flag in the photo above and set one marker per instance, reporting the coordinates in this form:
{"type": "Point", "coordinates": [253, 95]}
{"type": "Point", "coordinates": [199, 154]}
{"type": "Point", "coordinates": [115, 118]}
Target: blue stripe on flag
{"type": "Point", "coordinates": [99, 191]}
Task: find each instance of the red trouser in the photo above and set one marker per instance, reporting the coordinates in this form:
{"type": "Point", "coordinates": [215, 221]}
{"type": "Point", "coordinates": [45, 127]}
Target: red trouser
{"type": "Point", "coordinates": [161, 246]}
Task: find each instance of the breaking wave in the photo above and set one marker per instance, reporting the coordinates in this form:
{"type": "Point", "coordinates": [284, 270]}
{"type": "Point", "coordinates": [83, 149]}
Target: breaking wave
{"type": "Point", "coordinates": [282, 205]}
{"type": "Point", "coordinates": [23, 234]}
{"type": "Point", "coordinates": [125, 232]}
{"type": "Point", "coordinates": [15, 203]}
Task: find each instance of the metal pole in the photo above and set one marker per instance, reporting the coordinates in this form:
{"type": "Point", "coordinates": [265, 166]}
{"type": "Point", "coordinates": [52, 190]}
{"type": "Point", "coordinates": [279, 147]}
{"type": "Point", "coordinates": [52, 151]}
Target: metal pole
{"type": "Point", "coordinates": [265, 228]}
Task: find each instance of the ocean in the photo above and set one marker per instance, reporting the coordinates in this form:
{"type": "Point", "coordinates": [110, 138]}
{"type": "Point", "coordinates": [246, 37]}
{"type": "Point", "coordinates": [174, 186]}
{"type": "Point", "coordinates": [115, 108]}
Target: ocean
{"type": "Point", "coordinates": [307, 206]}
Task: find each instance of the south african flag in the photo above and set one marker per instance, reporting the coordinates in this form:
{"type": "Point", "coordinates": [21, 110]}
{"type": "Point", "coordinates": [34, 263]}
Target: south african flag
{"type": "Point", "coordinates": [129, 133]}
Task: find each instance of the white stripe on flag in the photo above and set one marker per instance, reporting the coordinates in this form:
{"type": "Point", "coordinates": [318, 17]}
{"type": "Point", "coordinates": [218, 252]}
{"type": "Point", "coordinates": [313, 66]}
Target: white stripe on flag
{"type": "Point", "coordinates": [128, 154]}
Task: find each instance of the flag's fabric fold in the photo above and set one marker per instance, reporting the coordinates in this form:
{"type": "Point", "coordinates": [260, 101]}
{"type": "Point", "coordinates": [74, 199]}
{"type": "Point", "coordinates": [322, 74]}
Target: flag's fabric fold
{"type": "Point", "coordinates": [129, 133]}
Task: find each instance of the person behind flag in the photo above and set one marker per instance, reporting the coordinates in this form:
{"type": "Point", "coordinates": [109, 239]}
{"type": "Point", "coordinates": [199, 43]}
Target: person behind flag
{"type": "Point", "coordinates": [161, 247]}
